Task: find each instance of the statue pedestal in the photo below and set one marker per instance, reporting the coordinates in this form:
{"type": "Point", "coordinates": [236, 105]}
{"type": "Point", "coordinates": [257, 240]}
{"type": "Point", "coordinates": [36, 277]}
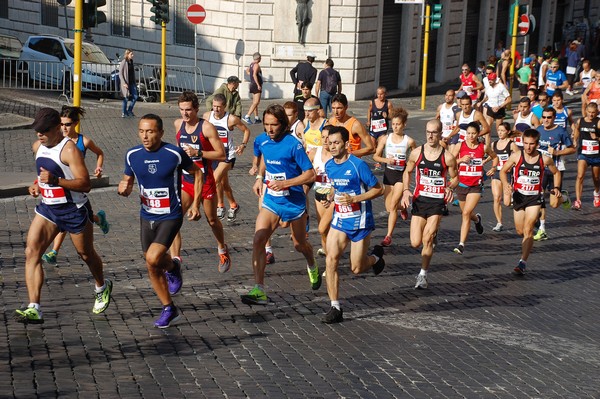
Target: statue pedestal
{"type": "Point", "coordinates": [297, 52]}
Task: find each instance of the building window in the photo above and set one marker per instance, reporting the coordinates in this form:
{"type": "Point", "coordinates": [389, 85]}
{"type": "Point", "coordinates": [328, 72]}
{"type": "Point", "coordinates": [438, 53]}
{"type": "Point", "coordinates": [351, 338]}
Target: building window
{"type": "Point", "coordinates": [4, 9]}
{"type": "Point", "coordinates": [121, 13]}
{"type": "Point", "coordinates": [50, 13]}
{"type": "Point", "coordinates": [184, 29]}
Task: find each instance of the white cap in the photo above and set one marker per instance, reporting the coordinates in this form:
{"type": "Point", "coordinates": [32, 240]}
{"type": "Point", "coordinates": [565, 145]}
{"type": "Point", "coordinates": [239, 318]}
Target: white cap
{"type": "Point", "coordinates": [311, 54]}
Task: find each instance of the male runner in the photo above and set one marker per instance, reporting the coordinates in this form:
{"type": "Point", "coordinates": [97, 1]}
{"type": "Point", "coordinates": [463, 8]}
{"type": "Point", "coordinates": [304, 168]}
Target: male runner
{"type": "Point", "coordinates": [432, 192]}
{"type": "Point", "coordinates": [360, 141]}
{"type": "Point", "coordinates": [446, 113]}
{"type": "Point", "coordinates": [285, 167]}
{"type": "Point", "coordinates": [224, 122]}
{"type": "Point", "coordinates": [354, 187]}
{"type": "Point", "coordinates": [62, 181]}
{"type": "Point", "coordinates": [200, 140]}
{"type": "Point", "coordinates": [530, 167]}
{"type": "Point", "coordinates": [157, 167]}
{"type": "Point", "coordinates": [467, 115]}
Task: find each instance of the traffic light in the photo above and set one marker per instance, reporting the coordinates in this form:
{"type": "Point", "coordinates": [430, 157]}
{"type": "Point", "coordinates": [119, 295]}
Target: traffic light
{"type": "Point", "coordinates": [436, 16]}
{"type": "Point", "coordinates": [92, 17]}
{"type": "Point", "coordinates": [160, 10]}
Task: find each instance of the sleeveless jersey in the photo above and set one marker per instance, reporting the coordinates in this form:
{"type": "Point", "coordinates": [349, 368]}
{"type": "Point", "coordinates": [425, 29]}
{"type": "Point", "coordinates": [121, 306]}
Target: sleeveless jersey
{"type": "Point", "coordinates": [312, 137]}
{"type": "Point", "coordinates": [397, 151]}
{"type": "Point", "coordinates": [448, 119]}
{"type": "Point", "coordinates": [523, 123]}
{"type": "Point", "coordinates": [352, 177]}
{"type": "Point", "coordinates": [562, 117]}
{"type": "Point", "coordinates": [56, 196]}
{"type": "Point", "coordinates": [528, 177]}
{"type": "Point", "coordinates": [321, 180]}
{"type": "Point", "coordinates": [503, 154]}
{"type": "Point", "coordinates": [225, 134]}
{"type": "Point", "coordinates": [594, 93]}
{"type": "Point", "coordinates": [468, 85]}
{"type": "Point", "coordinates": [430, 178]}
{"type": "Point", "coordinates": [379, 124]}
{"type": "Point", "coordinates": [293, 130]}
{"type": "Point", "coordinates": [197, 141]}
{"type": "Point", "coordinates": [80, 144]}
{"type": "Point", "coordinates": [158, 175]}
{"type": "Point", "coordinates": [589, 146]}
{"type": "Point", "coordinates": [355, 139]}
{"type": "Point", "coordinates": [463, 123]}
{"type": "Point", "coordinates": [471, 174]}
{"type": "Point", "coordinates": [586, 78]}
{"type": "Point", "coordinates": [541, 73]}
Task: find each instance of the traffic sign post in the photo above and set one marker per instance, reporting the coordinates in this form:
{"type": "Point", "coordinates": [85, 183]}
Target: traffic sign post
{"type": "Point", "coordinates": [196, 15]}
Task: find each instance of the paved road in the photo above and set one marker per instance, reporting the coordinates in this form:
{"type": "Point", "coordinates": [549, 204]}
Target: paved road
{"type": "Point", "coordinates": [478, 332]}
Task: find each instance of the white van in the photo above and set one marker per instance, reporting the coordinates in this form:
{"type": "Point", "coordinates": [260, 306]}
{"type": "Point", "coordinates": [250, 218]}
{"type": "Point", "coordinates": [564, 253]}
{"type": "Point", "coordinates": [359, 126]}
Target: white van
{"type": "Point", "coordinates": [49, 59]}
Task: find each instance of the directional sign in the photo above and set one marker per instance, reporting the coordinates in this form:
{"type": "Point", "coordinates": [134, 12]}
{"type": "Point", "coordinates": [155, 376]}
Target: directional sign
{"type": "Point", "coordinates": [523, 24]}
{"type": "Point", "coordinates": [196, 14]}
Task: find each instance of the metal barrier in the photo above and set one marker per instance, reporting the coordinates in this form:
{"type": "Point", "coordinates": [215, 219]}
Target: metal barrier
{"type": "Point", "coordinates": [100, 79]}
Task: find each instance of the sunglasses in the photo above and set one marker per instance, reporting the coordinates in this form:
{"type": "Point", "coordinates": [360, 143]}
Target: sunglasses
{"type": "Point", "coordinates": [67, 124]}
{"type": "Point", "coordinates": [547, 117]}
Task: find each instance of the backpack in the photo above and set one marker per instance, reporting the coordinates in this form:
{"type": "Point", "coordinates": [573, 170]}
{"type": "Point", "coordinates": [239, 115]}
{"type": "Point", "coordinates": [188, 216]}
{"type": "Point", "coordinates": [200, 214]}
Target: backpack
{"type": "Point", "coordinates": [331, 82]}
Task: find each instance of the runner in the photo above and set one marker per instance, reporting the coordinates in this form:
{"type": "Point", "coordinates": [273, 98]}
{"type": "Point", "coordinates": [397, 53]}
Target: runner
{"type": "Point", "coordinates": [314, 124]}
{"type": "Point", "coordinates": [529, 168]}
{"type": "Point", "coordinates": [586, 135]}
{"type": "Point", "coordinates": [467, 115]}
{"type": "Point", "coordinates": [432, 165]}
{"type": "Point", "coordinates": [393, 150]}
{"type": "Point", "coordinates": [296, 126]}
{"type": "Point", "coordinates": [287, 168]}
{"type": "Point", "coordinates": [69, 119]}
{"type": "Point", "coordinates": [200, 140]}
{"type": "Point", "coordinates": [586, 77]}
{"type": "Point", "coordinates": [446, 113]}
{"type": "Point", "coordinates": [378, 120]}
{"type": "Point", "coordinates": [469, 157]}
{"type": "Point", "coordinates": [225, 122]}
{"type": "Point", "coordinates": [354, 187]}
{"type": "Point", "coordinates": [564, 116]}
{"type": "Point", "coordinates": [360, 141]}
{"type": "Point", "coordinates": [157, 167]}
{"type": "Point", "coordinates": [524, 119]}
{"type": "Point", "coordinates": [62, 181]}
{"type": "Point", "coordinates": [503, 148]}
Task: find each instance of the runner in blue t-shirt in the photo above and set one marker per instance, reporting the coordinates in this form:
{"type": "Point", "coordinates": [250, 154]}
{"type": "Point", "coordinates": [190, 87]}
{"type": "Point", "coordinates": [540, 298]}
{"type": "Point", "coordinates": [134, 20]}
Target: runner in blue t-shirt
{"type": "Point", "coordinates": [157, 167]}
{"type": "Point", "coordinates": [285, 168]}
{"type": "Point", "coordinates": [555, 79]}
{"type": "Point", "coordinates": [354, 187]}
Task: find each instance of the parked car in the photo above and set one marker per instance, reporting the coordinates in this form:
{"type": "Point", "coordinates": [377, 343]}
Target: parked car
{"type": "Point", "coordinates": [49, 59]}
{"type": "Point", "coordinates": [10, 49]}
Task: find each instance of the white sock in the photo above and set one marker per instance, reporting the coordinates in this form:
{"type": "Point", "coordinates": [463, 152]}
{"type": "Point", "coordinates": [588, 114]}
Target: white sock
{"type": "Point", "coordinates": [100, 289]}
{"type": "Point", "coordinates": [269, 249]}
{"type": "Point", "coordinates": [376, 258]}
{"type": "Point", "coordinates": [222, 250]}
{"type": "Point", "coordinates": [335, 304]}
{"type": "Point", "coordinates": [423, 272]}
{"type": "Point", "coordinates": [311, 268]}
{"type": "Point", "coordinates": [461, 243]}
{"type": "Point", "coordinates": [34, 305]}
{"type": "Point", "coordinates": [596, 193]}
{"type": "Point", "coordinates": [523, 261]}
{"type": "Point", "coordinates": [542, 225]}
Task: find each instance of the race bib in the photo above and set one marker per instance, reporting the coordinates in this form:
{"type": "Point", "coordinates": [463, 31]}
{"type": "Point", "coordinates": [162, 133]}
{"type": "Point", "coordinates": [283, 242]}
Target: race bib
{"type": "Point", "coordinates": [398, 162]}
{"type": "Point", "coordinates": [276, 177]}
{"type": "Point", "coordinates": [346, 211]}
{"type": "Point", "coordinates": [52, 195]}
{"type": "Point", "coordinates": [502, 158]}
{"type": "Point", "coordinates": [527, 185]}
{"type": "Point", "coordinates": [473, 168]}
{"type": "Point", "coordinates": [590, 147]}
{"type": "Point", "coordinates": [447, 128]}
{"type": "Point", "coordinates": [432, 187]}
{"type": "Point", "coordinates": [378, 125]}
{"type": "Point", "coordinates": [156, 200]}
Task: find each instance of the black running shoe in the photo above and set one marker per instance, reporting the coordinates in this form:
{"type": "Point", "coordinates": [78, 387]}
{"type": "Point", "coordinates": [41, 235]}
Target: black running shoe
{"type": "Point", "coordinates": [478, 225]}
{"type": "Point", "coordinates": [334, 315]}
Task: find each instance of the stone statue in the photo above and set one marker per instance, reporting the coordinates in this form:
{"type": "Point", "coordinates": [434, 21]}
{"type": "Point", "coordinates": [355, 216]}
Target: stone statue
{"type": "Point", "coordinates": [303, 18]}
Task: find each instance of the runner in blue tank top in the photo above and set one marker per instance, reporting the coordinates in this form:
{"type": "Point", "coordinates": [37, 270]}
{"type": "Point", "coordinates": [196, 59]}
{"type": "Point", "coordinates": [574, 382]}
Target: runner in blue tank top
{"type": "Point", "coordinates": [354, 187]}
{"type": "Point", "coordinates": [157, 167]}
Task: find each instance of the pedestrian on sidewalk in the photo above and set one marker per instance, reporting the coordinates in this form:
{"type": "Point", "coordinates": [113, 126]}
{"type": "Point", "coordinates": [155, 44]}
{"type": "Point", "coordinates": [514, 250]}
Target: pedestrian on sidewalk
{"type": "Point", "coordinates": [128, 84]}
{"type": "Point", "coordinates": [256, 83]}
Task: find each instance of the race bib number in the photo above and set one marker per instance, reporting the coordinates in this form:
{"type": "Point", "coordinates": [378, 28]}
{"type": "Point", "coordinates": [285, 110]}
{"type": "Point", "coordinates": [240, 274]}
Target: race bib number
{"type": "Point", "coordinates": [432, 187]}
{"type": "Point", "coordinates": [447, 128]}
{"type": "Point", "coordinates": [52, 195]}
{"type": "Point", "coordinates": [590, 147]}
{"type": "Point", "coordinates": [468, 89]}
{"type": "Point", "coordinates": [346, 211]}
{"type": "Point", "coordinates": [156, 200]}
{"type": "Point", "coordinates": [378, 125]}
{"type": "Point", "coordinates": [276, 177]}
{"type": "Point", "coordinates": [519, 141]}
{"type": "Point", "coordinates": [398, 161]}
{"type": "Point", "coordinates": [462, 134]}
{"type": "Point", "coordinates": [473, 168]}
{"type": "Point", "coordinates": [528, 185]}
{"type": "Point", "coordinates": [502, 158]}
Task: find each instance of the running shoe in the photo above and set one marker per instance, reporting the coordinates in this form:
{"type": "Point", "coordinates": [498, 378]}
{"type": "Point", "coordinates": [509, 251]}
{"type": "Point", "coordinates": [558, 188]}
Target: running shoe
{"type": "Point", "coordinates": [102, 222]}
{"type": "Point", "coordinates": [566, 199]}
{"type": "Point", "coordinates": [221, 212]}
{"type": "Point", "coordinates": [576, 205]}
{"type": "Point", "coordinates": [459, 249]}
{"type": "Point", "coordinates": [257, 119]}
{"type": "Point", "coordinates": [224, 262]}
{"type": "Point", "coordinates": [131, 114]}
{"type": "Point", "coordinates": [270, 258]}
{"type": "Point", "coordinates": [103, 297]}
{"type": "Point", "coordinates": [334, 315]}
{"type": "Point", "coordinates": [540, 236]}
{"type": "Point", "coordinates": [596, 201]}
{"type": "Point", "coordinates": [386, 242]}
{"type": "Point", "coordinates": [232, 213]}
{"type": "Point", "coordinates": [174, 277]}
{"type": "Point", "coordinates": [377, 166]}
{"type": "Point", "coordinates": [50, 257]}
{"type": "Point", "coordinates": [403, 214]}
{"type": "Point", "coordinates": [321, 252]}
{"type": "Point", "coordinates": [124, 115]}
{"type": "Point", "coordinates": [569, 92]}
{"type": "Point", "coordinates": [421, 282]}
{"type": "Point", "coordinates": [380, 264]}
{"type": "Point", "coordinates": [315, 277]}
{"type": "Point", "coordinates": [520, 268]}
{"type": "Point", "coordinates": [478, 225]}
{"type": "Point", "coordinates": [256, 296]}
{"type": "Point", "coordinates": [498, 227]}
{"type": "Point", "coordinates": [29, 316]}
{"type": "Point", "coordinates": [247, 119]}
{"type": "Point", "coordinates": [169, 314]}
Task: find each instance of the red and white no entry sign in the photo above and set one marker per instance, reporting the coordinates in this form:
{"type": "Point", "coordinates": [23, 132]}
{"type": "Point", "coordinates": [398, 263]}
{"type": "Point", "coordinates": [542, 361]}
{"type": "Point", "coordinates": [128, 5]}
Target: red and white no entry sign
{"type": "Point", "coordinates": [196, 14]}
{"type": "Point", "coordinates": [523, 24]}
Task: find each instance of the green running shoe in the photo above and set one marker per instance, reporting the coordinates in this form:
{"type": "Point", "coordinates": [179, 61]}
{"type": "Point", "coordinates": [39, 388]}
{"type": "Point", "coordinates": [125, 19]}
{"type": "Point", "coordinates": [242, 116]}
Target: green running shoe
{"type": "Point", "coordinates": [50, 257]}
{"type": "Point", "coordinates": [102, 222]}
{"type": "Point", "coordinates": [566, 199]}
{"type": "Point", "coordinates": [256, 296]}
{"type": "Point", "coordinates": [315, 277]}
{"type": "Point", "coordinates": [540, 236]}
{"type": "Point", "coordinates": [103, 297]}
{"type": "Point", "coordinates": [29, 316]}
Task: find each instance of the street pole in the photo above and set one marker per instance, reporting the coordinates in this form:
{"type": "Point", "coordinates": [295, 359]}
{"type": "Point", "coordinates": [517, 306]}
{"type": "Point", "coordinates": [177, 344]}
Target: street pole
{"type": "Point", "coordinates": [66, 20]}
{"type": "Point", "coordinates": [76, 73]}
{"type": "Point", "coordinates": [513, 47]}
{"type": "Point", "coordinates": [163, 63]}
{"type": "Point", "coordinates": [195, 58]}
{"type": "Point", "coordinates": [425, 50]}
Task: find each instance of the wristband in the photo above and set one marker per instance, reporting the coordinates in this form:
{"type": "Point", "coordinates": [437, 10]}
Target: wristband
{"type": "Point", "coordinates": [259, 177]}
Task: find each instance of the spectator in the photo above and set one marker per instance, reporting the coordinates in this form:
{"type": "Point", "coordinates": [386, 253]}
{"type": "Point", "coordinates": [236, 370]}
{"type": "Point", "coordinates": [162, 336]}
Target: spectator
{"type": "Point", "coordinates": [329, 83]}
